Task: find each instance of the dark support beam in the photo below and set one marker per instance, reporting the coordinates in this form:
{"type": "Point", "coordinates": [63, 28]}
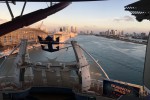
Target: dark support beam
{"type": "Point", "coordinates": [9, 9]}
{"type": "Point", "coordinates": [23, 7]}
{"type": "Point", "coordinates": [31, 18]}
{"type": "Point", "coordinates": [51, 3]}
{"type": "Point", "coordinates": [14, 2]}
{"type": "Point", "coordinates": [140, 9]}
{"type": "Point", "coordinates": [53, 0]}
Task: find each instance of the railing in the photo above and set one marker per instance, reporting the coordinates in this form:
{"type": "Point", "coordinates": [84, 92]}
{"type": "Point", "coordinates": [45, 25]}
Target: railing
{"type": "Point", "coordinates": [96, 87]}
{"type": "Point", "coordinates": [7, 83]}
{"type": "Point", "coordinates": [98, 65]}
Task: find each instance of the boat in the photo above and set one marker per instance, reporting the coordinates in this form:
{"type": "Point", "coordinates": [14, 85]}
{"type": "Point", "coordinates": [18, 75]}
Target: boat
{"type": "Point", "coordinates": [64, 35]}
{"type": "Point", "coordinates": [64, 77]}
{"type": "Point", "coordinates": [73, 80]}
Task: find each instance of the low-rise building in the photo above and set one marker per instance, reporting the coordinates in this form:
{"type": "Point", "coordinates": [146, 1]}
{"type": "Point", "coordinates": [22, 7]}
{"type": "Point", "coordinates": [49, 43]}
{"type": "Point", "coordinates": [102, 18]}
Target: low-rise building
{"type": "Point", "coordinates": [13, 38]}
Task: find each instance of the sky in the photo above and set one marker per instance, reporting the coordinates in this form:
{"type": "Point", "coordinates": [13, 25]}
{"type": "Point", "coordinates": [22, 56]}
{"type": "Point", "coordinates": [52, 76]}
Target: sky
{"type": "Point", "coordinates": [96, 16]}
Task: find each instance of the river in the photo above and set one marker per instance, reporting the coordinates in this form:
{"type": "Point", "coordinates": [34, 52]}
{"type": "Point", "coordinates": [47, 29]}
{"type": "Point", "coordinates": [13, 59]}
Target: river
{"type": "Point", "coordinates": [121, 60]}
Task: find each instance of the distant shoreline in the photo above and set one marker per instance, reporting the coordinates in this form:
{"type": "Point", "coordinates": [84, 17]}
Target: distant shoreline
{"type": "Point", "coordinates": [126, 40]}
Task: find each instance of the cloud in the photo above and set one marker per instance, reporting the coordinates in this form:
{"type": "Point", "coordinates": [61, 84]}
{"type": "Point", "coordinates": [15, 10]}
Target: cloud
{"type": "Point", "coordinates": [2, 21]}
{"type": "Point", "coordinates": [124, 18]}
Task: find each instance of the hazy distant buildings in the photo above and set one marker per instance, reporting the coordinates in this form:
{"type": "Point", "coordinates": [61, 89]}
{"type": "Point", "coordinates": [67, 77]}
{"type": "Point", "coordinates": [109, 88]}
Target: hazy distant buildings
{"type": "Point", "coordinates": [139, 35]}
{"type": "Point", "coordinates": [112, 33]}
{"type": "Point", "coordinates": [87, 32]}
{"type": "Point", "coordinates": [64, 29]}
{"type": "Point", "coordinates": [76, 30]}
{"type": "Point", "coordinates": [121, 35]}
{"type": "Point", "coordinates": [69, 29]}
{"type": "Point", "coordinates": [91, 33]}
{"type": "Point", "coordinates": [72, 29]}
{"type": "Point", "coordinates": [143, 35]}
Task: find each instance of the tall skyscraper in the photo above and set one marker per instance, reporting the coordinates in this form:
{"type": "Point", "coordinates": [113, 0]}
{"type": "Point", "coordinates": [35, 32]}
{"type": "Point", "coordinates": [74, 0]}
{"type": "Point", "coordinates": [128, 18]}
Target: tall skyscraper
{"type": "Point", "coordinates": [75, 30]}
{"type": "Point", "coordinates": [72, 29]}
{"type": "Point", "coordinates": [64, 28]}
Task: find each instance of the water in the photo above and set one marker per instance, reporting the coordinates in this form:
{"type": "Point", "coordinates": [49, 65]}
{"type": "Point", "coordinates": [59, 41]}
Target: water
{"type": "Point", "coordinates": [121, 60]}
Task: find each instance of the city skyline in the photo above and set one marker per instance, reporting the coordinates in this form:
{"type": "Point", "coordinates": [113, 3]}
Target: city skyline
{"type": "Point", "coordinates": [96, 16]}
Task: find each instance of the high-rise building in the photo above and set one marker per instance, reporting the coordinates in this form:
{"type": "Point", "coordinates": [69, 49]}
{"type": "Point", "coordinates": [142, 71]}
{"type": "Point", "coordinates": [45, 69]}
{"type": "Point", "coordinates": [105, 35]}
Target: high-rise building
{"type": "Point", "coordinates": [72, 29]}
{"type": "Point", "coordinates": [64, 28]}
{"type": "Point", "coordinates": [75, 30]}
{"type": "Point", "coordinates": [115, 32]}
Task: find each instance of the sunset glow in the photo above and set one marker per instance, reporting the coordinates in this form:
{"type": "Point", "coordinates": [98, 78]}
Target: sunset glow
{"type": "Point", "coordinates": [96, 16]}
